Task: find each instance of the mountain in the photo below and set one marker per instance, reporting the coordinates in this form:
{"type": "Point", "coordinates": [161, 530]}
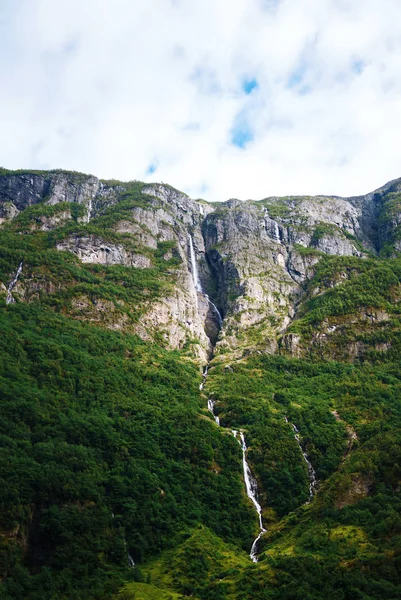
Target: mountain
{"type": "Point", "coordinates": [121, 476]}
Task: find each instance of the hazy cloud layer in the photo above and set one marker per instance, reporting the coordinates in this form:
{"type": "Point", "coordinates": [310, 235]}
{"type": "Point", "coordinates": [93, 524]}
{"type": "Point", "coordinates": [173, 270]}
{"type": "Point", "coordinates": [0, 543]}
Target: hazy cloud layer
{"type": "Point", "coordinates": [220, 98]}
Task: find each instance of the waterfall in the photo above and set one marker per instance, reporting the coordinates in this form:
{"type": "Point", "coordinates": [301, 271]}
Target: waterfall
{"type": "Point", "coordinates": [10, 299]}
{"type": "Point", "coordinates": [205, 370]}
{"type": "Point", "coordinates": [89, 209]}
{"type": "Point", "coordinates": [251, 491]}
{"type": "Point", "coordinates": [216, 310]}
{"type": "Point", "coordinates": [194, 266]}
{"type": "Point", "coordinates": [276, 232]}
{"type": "Point", "coordinates": [131, 562]}
{"type": "Point", "coordinates": [250, 481]}
{"type": "Point", "coordinates": [311, 471]}
{"type": "Point", "coordinates": [197, 283]}
{"type": "Point", "coordinates": [210, 405]}
{"type": "Point", "coordinates": [210, 402]}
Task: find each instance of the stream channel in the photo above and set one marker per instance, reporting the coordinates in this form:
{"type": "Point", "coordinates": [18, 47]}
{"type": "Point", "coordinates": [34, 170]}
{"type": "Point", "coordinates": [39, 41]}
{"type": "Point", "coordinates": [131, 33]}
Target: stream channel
{"type": "Point", "coordinates": [250, 481]}
{"type": "Point", "coordinates": [313, 482]}
{"type": "Point", "coordinates": [251, 485]}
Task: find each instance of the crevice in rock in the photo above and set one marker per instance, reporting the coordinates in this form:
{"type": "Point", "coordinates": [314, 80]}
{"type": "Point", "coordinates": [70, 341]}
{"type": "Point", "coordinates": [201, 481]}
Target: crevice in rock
{"type": "Point", "coordinates": [204, 287]}
{"type": "Point", "coordinates": [212, 285]}
{"type": "Point", "coordinates": [224, 273]}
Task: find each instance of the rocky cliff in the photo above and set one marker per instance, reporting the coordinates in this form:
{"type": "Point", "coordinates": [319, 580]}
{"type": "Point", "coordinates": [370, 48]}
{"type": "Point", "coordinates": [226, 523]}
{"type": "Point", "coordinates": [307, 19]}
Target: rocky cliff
{"type": "Point", "coordinates": [118, 460]}
{"type": "Point", "coordinates": [253, 259]}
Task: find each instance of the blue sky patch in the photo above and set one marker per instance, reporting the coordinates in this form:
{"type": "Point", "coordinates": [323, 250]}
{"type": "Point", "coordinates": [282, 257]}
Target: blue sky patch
{"type": "Point", "coordinates": [241, 134]}
{"type": "Point", "coordinates": [297, 75]}
{"type": "Point", "coordinates": [295, 78]}
{"type": "Point", "coordinates": [151, 168]}
{"type": "Point", "coordinates": [248, 85]}
{"type": "Point", "coordinates": [357, 66]}
{"type": "Point", "coordinates": [269, 5]}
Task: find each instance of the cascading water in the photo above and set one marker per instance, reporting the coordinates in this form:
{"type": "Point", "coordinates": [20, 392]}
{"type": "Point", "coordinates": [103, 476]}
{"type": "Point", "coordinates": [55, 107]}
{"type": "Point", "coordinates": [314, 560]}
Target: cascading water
{"type": "Point", "coordinates": [197, 283]}
{"type": "Point", "coordinates": [252, 492]}
{"type": "Point", "coordinates": [210, 402]}
{"type": "Point", "coordinates": [311, 471]}
{"type": "Point", "coordinates": [205, 370]}
{"type": "Point", "coordinates": [131, 562]}
{"type": "Point", "coordinates": [250, 481]}
{"type": "Point", "coordinates": [216, 310]}
{"type": "Point", "coordinates": [10, 299]}
{"type": "Point", "coordinates": [194, 266]}
{"type": "Point", "coordinates": [276, 232]}
{"type": "Point", "coordinates": [210, 405]}
{"type": "Point", "coordinates": [89, 210]}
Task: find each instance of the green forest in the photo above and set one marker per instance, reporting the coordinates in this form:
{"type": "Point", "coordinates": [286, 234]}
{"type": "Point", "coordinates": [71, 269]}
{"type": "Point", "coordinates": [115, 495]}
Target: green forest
{"type": "Point", "coordinates": [109, 455]}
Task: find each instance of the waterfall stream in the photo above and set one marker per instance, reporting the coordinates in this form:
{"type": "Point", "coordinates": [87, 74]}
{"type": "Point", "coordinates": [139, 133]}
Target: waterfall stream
{"type": "Point", "coordinates": [311, 471]}
{"type": "Point", "coordinates": [205, 370]}
{"type": "Point", "coordinates": [10, 299]}
{"type": "Point", "coordinates": [131, 562]}
{"type": "Point", "coordinates": [251, 485]}
{"type": "Point", "coordinates": [197, 283]}
{"type": "Point", "coordinates": [277, 232]}
{"type": "Point", "coordinates": [210, 402]}
{"type": "Point", "coordinates": [251, 491]}
{"type": "Point", "coordinates": [89, 210]}
{"type": "Point", "coordinates": [210, 405]}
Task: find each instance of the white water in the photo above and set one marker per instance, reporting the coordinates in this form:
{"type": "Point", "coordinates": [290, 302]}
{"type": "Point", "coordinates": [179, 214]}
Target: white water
{"type": "Point", "coordinates": [311, 471]}
{"type": "Point", "coordinates": [197, 283]}
{"type": "Point", "coordinates": [210, 405]}
{"type": "Point", "coordinates": [205, 370]}
{"type": "Point", "coordinates": [194, 266]}
{"type": "Point", "coordinates": [210, 402]}
{"type": "Point", "coordinates": [216, 310]}
{"type": "Point", "coordinates": [252, 491]}
{"type": "Point", "coordinates": [250, 481]}
{"type": "Point", "coordinates": [276, 232]}
{"type": "Point", "coordinates": [131, 562]}
{"type": "Point", "coordinates": [10, 299]}
{"type": "Point", "coordinates": [89, 210]}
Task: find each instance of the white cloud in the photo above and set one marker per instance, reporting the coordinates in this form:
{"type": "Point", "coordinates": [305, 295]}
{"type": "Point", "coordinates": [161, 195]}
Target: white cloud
{"type": "Point", "coordinates": [112, 88]}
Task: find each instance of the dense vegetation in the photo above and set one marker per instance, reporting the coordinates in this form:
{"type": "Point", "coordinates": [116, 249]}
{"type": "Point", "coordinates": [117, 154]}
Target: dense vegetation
{"type": "Point", "coordinates": [107, 451]}
{"type": "Point", "coordinates": [103, 453]}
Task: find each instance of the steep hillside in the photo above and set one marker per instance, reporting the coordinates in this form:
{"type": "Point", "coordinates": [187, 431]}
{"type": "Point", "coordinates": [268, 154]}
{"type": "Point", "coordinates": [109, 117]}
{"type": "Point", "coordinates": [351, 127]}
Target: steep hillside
{"type": "Point", "coordinates": [120, 473]}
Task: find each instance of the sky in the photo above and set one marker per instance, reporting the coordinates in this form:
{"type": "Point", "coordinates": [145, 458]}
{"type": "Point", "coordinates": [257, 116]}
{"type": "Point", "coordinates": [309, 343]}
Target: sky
{"type": "Point", "coordinates": [219, 98]}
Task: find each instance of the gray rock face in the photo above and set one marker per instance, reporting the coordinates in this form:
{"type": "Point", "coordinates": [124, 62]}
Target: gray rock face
{"type": "Point", "coordinates": [255, 289]}
{"type": "Point", "coordinates": [252, 258]}
{"type": "Point", "coordinates": [97, 251]}
{"type": "Point", "coordinates": [26, 189]}
{"type": "Point", "coordinates": [336, 245]}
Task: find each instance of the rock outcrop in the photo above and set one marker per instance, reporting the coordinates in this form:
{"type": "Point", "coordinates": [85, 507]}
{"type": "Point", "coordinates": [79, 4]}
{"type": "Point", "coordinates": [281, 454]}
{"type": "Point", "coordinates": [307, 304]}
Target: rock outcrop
{"type": "Point", "coordinates": [94, 250]}
{"type": "Point", "coordinates": [253, 258]}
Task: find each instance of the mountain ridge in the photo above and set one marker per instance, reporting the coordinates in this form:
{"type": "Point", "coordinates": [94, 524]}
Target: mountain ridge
{"type": "Point", "coordinates": [282, 237]}
{"type": "Point", "coordinates": [114, 296]}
